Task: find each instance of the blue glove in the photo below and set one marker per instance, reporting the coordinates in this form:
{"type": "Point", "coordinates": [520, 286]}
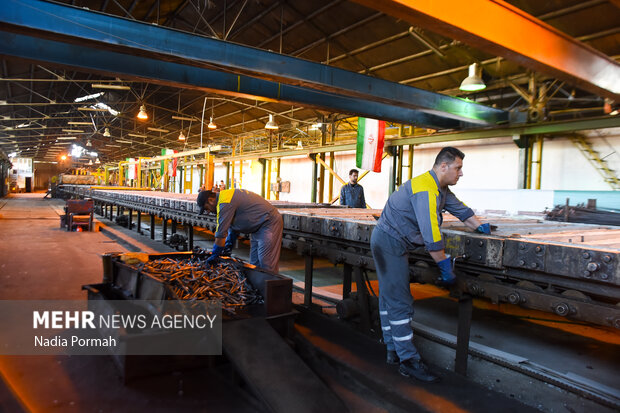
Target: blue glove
{"type": "Point", "coordinates": [215, 254]}
{"type": "Point", "coordinates": [447, 274]}
{"type": "Point", "coordinates": [230, 242]}
{"type": "Point", "coordinates": [484, 229]}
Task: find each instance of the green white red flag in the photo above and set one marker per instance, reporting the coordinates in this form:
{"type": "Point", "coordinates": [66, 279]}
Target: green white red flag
{"type": "Point", "coordinates": [370, 136]}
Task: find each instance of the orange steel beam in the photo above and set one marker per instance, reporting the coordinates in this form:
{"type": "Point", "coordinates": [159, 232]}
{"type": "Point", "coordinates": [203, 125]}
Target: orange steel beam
{"type": "Point", "coordinates": [503, 30]}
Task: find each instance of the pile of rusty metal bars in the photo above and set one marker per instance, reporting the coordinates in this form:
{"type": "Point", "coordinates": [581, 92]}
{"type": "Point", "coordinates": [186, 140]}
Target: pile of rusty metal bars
{"type": "Point", "coordinates": [194, 279]}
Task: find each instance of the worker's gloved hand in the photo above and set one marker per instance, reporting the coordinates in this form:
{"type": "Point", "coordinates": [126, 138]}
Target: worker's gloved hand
{"type": "Point", "coordinates": [215, 254]}
{"type": "Point", "coordinates": [447, 274]}
{"type": "Point", "coordinates": [484, 229]}
{"type": "Point", "coordinates": [230, 243]}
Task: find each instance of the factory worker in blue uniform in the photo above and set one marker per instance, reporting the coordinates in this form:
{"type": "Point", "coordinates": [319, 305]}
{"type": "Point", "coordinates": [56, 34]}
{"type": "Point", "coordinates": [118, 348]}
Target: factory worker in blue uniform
{"type": "Point", "coordinates": [411, 218]}
{"type": "Point", "coordinates": [241, 211]}
{"type": "Point", "coordinates": [352, 193]}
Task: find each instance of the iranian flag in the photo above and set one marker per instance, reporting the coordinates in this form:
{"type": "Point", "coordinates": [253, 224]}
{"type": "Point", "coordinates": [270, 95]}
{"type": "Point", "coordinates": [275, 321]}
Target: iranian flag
{"type": "Point", "coordinates": [370, 134]}
{"type": "Point", "coordinates": [172, 163]}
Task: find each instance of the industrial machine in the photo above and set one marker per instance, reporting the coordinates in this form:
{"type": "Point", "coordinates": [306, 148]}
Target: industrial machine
{"type": "Point", "coordinates": [568, 269]}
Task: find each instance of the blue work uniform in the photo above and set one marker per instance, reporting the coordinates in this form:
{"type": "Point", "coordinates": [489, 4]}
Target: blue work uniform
{"type": "Point", "coordinates": [411, 218]}
{"type": "Point", "coordinates": [352, 195]}
{"type": "Point", "coordinates": [245, 212]}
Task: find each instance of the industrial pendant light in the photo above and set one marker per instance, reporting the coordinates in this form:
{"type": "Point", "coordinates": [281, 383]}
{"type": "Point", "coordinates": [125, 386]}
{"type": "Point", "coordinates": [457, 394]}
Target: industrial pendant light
{"type": "Point", "coordinates": [271, 124]}
{"type": "Point", "coordinates": [211, 125]}
{"type": "Point", "coordinates": [90, 162]}
{"type": "Point", "coordinates": [97, 161]}
{"type": "Point", "coordinates": [474, 81]}
{"type": "Point", "coordinates": [88, 142]}
{"type": "Point", "coordinates": [106, 132]}
{"type": "Point", "coordinates": [299, 145]}
{"type": "Point", "coordinates": [142, 115]}
{"type": "Point", "coordinates": [181, 136]}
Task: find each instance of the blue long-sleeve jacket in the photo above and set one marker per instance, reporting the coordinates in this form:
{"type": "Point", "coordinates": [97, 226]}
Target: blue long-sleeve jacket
{"type": "Point", "coordinates": [242, 211]}
{"type": "Point", "coordinates": [413, 212]}
{"type": "Point", "coordinates": [352, 195]}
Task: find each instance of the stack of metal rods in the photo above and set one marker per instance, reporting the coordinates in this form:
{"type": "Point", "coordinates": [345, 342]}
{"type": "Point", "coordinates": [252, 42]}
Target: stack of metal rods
{"type": "Point", "coordinates": [194, 279]}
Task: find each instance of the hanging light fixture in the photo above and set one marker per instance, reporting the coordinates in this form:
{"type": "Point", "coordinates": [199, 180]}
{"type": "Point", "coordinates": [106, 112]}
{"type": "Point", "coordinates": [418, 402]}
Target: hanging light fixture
{"type": "Point", "coordinates": [474, 81]}
{"type": "Point", "coordinates": [142, 115]}
{"type": "Point", "coordinates": [181, 136]}
{"type": "Point", "coordinates": [90, 162]}
{"type": "Point", "coordinates": [271, 124]}
{"type": "Point", "coordinates": [89, 143]}
{"type": "Point", "coordinates": [97, 161]}
{"type": "Point", "coordinates": [299, 145]}
{"type": "Point", "coordinates": [106, 132]}
{"type": "Point", "coordinates": [211, 125]}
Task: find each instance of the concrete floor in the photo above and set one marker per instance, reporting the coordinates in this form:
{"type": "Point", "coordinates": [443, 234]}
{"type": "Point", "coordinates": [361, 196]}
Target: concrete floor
{"type": "Point", "coordinates": [39, 260]}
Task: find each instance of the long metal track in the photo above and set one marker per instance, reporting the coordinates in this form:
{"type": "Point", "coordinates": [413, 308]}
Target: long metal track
{"type": "Point", "coordinates": [572, 383]}
{"type": "Point", "coordinates": [576, 281]}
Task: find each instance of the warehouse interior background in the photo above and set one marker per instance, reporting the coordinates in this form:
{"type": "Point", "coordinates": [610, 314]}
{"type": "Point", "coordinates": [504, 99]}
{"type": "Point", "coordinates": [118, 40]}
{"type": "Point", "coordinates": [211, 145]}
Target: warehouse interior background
{"type": "Point", "coordinates": [156, 100]}
{"type": "Point", "coordinates": [41, 99]}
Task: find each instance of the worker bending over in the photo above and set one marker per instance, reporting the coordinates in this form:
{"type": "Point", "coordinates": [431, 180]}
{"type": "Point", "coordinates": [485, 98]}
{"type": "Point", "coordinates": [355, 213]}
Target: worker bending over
{"type": "Point", "coordinates": [411, 218]}
{"type": "Point", "coordinates": [242, 211]}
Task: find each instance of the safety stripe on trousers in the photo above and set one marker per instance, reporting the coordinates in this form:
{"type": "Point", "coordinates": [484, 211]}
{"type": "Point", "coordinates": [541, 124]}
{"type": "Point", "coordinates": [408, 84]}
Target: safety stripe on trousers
{"type": "Point", "coordinates": [404, 338]}
{"type": "Point", "coordinates": [400, 322]}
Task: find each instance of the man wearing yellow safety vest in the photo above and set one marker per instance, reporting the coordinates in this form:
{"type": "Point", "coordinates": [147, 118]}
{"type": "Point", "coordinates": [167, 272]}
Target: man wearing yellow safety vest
{"type": "Point", "coordinates": [411, 218]}
{"type": "Point", "coordinates": [242, 211]}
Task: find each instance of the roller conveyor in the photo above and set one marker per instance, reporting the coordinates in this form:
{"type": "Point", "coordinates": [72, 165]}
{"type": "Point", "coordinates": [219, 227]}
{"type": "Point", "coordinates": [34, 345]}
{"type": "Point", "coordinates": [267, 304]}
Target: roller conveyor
{"type": "Point", "coordinates": [569, 269]}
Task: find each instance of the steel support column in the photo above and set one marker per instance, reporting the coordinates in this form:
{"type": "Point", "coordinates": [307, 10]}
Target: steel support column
{"type": "Point", "coordinates": [139, 223]}
{"type": "Point", "coordinates": [410, 172]}
{"type": "Point", "coordinates": [262, 178]}
{"type": "Point", "coordinates": [462, 335]}
{"type": "Point", "coordinates": [227, 174]}
{"type": "Point", "coordinates": [362, 299]}
{"type": "Point", "coordinates": [152, 229]}
{"type": "Point", "coordinates": [308, 269]}
{"type": "Point", "coordinates": [314, 177]}
{"type": "Point", "coordinates": [347, 272]}
{"type": "Point", "coordinates": [539, 161]}
{"type": "Point", "coordinates": [331, 177]}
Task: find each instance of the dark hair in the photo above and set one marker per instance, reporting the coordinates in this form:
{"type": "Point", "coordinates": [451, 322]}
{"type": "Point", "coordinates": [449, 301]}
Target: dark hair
{"type": "Point", "coordinates": [448, 155]}
{"type": "Point", "coordinates": [203, 196]}
{"type": "Point", "coordinates": [353, 171]}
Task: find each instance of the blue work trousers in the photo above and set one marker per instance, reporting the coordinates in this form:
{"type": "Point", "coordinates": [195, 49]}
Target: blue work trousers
{"type": "Point", "coordinates": [395, 299]}
{"type": "Point", "coordinates": [266, 243]}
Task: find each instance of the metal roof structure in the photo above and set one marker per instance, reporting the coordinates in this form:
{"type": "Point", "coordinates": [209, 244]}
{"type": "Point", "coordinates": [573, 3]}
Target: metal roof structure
{"type": "Point", "coordinates": [239, 61]}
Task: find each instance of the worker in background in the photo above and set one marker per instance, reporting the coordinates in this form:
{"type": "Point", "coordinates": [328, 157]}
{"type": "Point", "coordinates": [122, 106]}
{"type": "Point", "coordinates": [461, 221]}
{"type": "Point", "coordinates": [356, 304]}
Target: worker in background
{"type": "Point", "coordinates": [242, 211]}
{"type": "Point", "coordinates": [222, 185]}
{"type": "Point", "coordinates": [411, 218]}
{"type": "Point", "coordinates": [352, 194]}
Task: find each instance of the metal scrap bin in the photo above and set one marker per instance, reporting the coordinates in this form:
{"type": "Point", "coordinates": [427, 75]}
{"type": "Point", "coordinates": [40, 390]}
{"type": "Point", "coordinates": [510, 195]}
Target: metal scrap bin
{"type": "Point", "coordinates": [126, 282]}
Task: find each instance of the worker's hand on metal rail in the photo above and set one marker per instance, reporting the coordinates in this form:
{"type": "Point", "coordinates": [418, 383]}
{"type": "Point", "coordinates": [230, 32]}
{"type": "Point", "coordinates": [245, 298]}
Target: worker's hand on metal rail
{"type": "Point", "coordinates": [484, 228]}
{"type": "Point", "coordinates": [447, 277]}
{"type": "Point", "coordinates": [215, 254]}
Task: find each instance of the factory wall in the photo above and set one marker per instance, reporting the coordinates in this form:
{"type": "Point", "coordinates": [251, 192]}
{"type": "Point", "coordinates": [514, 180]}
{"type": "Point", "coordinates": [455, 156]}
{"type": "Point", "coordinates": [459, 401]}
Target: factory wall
{"type": "Point", "coordinates": [43, 173]}
{"type": "Point", "coordinates": [490, 174]}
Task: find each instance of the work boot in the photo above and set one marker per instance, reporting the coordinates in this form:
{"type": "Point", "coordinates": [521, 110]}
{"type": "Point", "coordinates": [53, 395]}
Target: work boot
{"type": "Point", "coordinates": [392, 357]}
{"type": "Point", "coordinates": [417, 369]}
